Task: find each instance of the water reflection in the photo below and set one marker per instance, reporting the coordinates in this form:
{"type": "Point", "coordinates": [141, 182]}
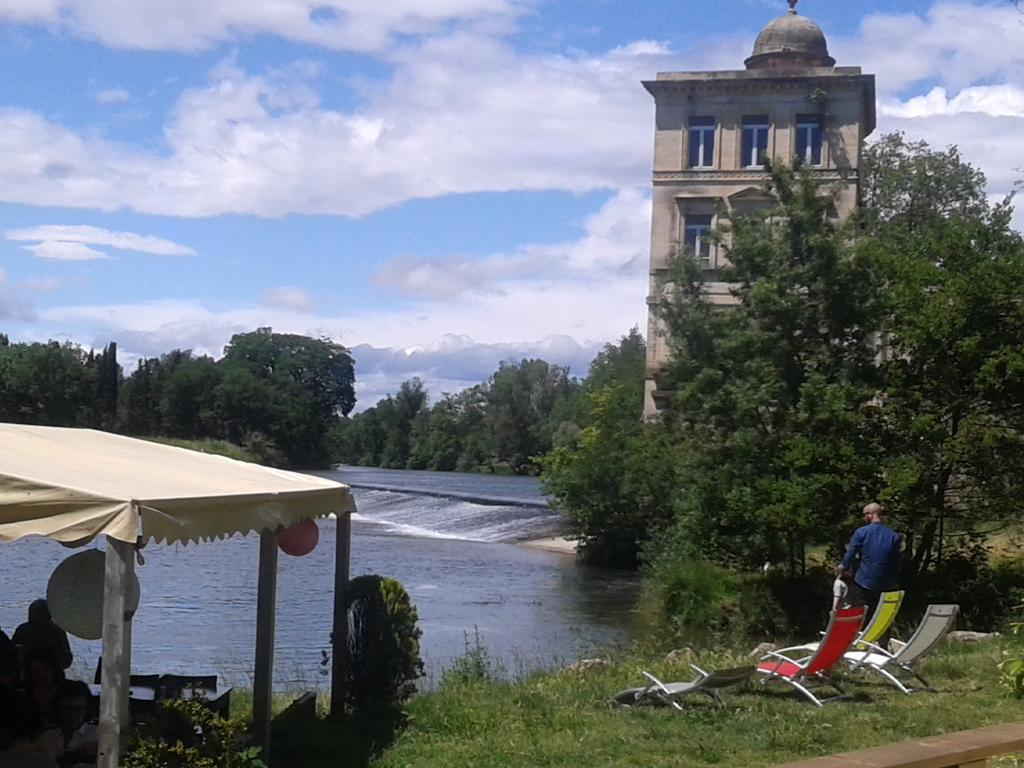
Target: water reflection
{"type": "Point", "coordinates": [198, 606]}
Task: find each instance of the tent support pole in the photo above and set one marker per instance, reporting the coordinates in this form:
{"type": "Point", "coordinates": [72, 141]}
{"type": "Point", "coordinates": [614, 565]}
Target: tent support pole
{"type": "Point", "coordinates": [339, 630]}
{"type": "Point", "coordinates": [266, 610]}
{"type": "Point", "coordinates": [117, 651]}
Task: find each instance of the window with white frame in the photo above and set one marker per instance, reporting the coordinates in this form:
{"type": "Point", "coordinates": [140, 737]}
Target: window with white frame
{"type": "Point", "coordinates": [755, 141]}
{"type": "Point", "coordinates": [697, 238]}
{"type": "Point", "coordinates": [808, 139]}
{"type": "Point", "coordinates": [702, 142]}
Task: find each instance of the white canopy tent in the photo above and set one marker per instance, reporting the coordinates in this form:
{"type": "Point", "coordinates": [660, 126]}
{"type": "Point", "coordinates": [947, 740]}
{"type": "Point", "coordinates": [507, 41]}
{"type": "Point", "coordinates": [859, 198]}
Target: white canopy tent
{"type": "Point", "coordinates": [72, 485]}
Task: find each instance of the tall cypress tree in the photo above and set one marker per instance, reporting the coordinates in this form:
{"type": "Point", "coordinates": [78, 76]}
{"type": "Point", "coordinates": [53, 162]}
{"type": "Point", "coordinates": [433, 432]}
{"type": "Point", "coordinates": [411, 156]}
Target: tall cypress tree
{"type": "Point", "coordinates": [108, 379]}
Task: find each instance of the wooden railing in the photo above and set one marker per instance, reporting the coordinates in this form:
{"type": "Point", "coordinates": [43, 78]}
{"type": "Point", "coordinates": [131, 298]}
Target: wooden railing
{"type": "Point", "coordinates": [965, 749]}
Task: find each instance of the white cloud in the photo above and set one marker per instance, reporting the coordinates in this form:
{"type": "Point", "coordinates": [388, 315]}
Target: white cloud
{"type": "Point", "coordinates": [289, 298]}
{"type": "Point", "coordinates": [67, 242]}
{"type": "Point", "coordinates": [453, 363]}
{"type": "Point", "coordinates": [563, 318]}
{"type": "Point", "coordinates": [451, 276]}
{"type": "Point", "coordinates": [993, 144]}
{"type": "Point", "coordinates": [957, 43]}
{"type": "Point", "coordinates": [1005, 100]}
{"type": "Point", "coordinates": [188, 25]}
{"type": "Point", "coordinates": [585, 310]}
{"type": "Point", "coordinates": [615, 242]}
{"type": "Point", "coordinates": [112, 96]}
{"type": "Point", "coordinates": [974, 51]}
{"type": "Point", "coordinates": [60, 250]}
{"type": "Point", "coordinates": [464, 113]}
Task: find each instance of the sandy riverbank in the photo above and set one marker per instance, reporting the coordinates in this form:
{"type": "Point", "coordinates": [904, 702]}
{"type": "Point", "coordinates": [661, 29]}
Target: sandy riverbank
{"type": "Point", "coordinates": [558, 544]}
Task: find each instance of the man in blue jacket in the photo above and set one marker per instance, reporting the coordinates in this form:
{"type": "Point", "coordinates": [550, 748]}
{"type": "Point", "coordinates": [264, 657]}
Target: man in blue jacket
{"type": "Point", "coordinates": [874, 559]}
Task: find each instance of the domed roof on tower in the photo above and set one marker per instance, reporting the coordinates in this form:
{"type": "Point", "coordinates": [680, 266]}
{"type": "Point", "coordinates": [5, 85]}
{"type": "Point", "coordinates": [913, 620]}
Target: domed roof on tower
{"type": "Point", "coordinates": [791, 41]}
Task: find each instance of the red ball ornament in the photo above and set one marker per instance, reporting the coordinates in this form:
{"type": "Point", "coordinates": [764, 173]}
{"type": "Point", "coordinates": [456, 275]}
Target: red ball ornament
{"type": "Point", "coordinates": [299, 539]}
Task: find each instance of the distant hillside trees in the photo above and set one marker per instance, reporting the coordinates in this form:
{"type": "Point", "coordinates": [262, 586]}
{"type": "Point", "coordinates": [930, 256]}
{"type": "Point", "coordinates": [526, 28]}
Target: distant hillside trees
{"type": "Point", "coordinates": [277, 394]}
{"type": "Point", "coordinates": [58, 384]}
{"type": "Point", "coordinates": [501, 425]}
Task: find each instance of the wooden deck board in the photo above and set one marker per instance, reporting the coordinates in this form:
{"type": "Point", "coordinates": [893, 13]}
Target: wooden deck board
{"type": "Point", "coordinates": [963, 748]}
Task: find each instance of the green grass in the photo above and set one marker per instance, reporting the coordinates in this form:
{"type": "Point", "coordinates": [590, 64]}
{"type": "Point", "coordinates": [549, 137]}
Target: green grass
{"type": "Point", "coordinates": [219, 447]}
{"type": "Point", "coordinates": [561, 719]}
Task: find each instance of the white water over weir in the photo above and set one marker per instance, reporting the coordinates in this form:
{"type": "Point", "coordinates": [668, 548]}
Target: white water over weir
{"type": "Point", "coordinates": [451, 505]}
{"type": "Point", "coordinates": [453, 517]}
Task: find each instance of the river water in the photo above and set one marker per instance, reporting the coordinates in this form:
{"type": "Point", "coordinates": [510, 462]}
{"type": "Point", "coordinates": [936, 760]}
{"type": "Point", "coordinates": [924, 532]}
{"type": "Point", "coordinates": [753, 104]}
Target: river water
{"type": "Point", "coordinates": [449, 538]}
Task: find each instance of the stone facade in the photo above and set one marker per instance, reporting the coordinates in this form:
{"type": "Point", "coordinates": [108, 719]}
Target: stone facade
{"type": "Point", "coordinates": [714, 129]}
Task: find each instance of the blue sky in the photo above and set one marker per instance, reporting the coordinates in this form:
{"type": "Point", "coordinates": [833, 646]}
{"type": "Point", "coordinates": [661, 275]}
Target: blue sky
{"type": "Point", "coordinates": [438, 184]}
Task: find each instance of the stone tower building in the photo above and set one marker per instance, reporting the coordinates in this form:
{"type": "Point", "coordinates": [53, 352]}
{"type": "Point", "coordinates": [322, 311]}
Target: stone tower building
{"type": "Point", "coordinates": [713, 132]}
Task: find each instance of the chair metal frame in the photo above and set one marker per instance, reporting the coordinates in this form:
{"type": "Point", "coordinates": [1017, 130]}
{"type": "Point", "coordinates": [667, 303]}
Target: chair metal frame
{"type": "Point", "coordinates": [936, 623]}
{"type": "Point", "coordinates": [707, 683]}
{"type": "Point", "coordinates": [843, 627]}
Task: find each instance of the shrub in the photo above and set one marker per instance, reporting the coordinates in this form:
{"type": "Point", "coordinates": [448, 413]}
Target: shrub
{"type": "Point", "coordinates": [262, 449]}
{"type": "Point", "coordinates": [778, 604]}
{"type": "Point", "coordinates": [692, 594]}
{"type": "Point", "coordinates": [1011, 669]}
{"type": "Point", "coordinates": [384, 650]}
{"type": "Point", "coordinates": [986, 592]}
{"type": "Point", "coordinates": [201, 739]}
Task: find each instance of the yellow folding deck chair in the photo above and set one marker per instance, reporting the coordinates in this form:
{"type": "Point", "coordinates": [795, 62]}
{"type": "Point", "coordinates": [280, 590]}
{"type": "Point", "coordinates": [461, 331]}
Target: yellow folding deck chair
{"type": "Point", "coordinates": [882, 619]}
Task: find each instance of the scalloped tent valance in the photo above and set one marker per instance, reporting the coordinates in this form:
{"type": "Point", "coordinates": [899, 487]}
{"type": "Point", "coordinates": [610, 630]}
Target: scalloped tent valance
{"type": "Point", "coordinates": [74, 484]}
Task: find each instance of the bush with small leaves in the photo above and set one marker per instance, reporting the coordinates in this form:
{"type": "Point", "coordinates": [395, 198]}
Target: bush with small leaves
{"type": "Point", "coordinates": [191, 735]}
{"type": "Point", "coordinates": [383, 646]}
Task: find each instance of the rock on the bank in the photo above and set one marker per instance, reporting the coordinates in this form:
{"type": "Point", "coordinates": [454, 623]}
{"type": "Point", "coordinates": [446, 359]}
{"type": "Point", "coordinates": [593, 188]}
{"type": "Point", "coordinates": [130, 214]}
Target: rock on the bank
{"type": "Point", "coordinates": [964, 636]}
{"type": "Point", "coordinates": [681, 656]}
{"type": "Point", "coordinates": [762, 649]}
{"type": "Point", "coordinates": [585, 665]}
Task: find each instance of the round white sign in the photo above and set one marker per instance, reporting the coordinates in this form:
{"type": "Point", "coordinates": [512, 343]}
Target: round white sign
{"type": "Point", "coordinates": [75, 594]}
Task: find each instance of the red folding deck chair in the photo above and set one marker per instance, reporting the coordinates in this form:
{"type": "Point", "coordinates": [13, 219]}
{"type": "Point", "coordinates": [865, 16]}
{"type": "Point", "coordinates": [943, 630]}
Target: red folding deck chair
{"type": "Point", "coordinates": [801, 673]}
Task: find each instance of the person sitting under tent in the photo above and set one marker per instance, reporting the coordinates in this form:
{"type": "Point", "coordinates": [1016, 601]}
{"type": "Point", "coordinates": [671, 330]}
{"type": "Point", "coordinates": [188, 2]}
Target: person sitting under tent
{"type": "Point", "coordinates": [12, 701]}
{"type": "Point", "coordinates": [20, 726]}
{"type": "Point", "coordinates": [43, 680]}
{"type": "Point", "coordinates": [79, 738]}
{"type": "Point", "coordinates": [41, 631]}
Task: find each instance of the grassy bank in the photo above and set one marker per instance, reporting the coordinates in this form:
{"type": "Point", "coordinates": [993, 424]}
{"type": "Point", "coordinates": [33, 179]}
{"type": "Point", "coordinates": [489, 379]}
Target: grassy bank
{"type": "Point", "coordinates": [561, 719]}
{"type": "Point", "coordinates": [219, 447]}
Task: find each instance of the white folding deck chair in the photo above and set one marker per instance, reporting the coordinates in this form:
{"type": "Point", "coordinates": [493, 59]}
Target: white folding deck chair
{"type": "Point", "coordinates": [937, 622]}
{"type": "Point", "coordinates": [707, 683]}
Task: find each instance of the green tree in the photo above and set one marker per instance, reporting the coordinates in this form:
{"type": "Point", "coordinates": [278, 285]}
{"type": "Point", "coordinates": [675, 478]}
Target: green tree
{"type": "Point", "coordinates": [907, 186]}
{"type": "Point", "coordinates": [400, 413]}
{"type": "Point", "coordinates": [521, 398]}
{"type": "Point", "coordinates": [437, 436]}
{"type": "Point", "coordinates": [477, 452]}
{"type": "Point", "coordinates": [52, 384]}
{"type": "Point", "coordinates": [616, 479]}
{"type": "Point", "coordinates": [291, 389]}
{"type": "Point", "coordinates": [954, 371]}
{"type": "Point", "coordinates": [139, 399]}
{"type": "Point", "coordinates": [186, 401]}
{"type": "Point", "coordinates": [773, 414]}
{"type": "Point", "coordinates": [108, 382]}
